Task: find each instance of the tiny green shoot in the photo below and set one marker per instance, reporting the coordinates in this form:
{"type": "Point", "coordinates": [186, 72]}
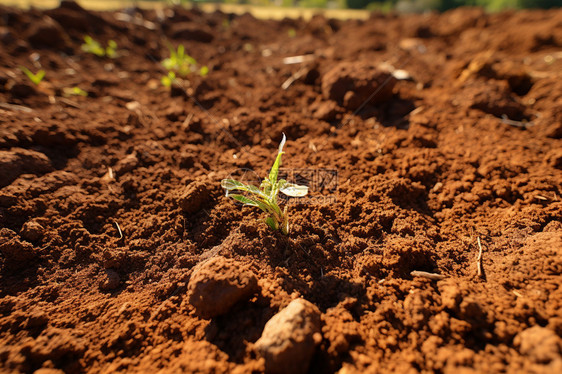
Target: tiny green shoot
{"type": "Point", "coordinates": [111, 49]}
{"type": "Point", "coordinates": [35, 78]}
{"type": "Point", "coordinates": [169, 79]}
{"type": "Point", "coordinates": [74, 91]}
{"type": "Point", "coordinates": [94, 47]}
{"type": "Point", "coordinates": [292, 33]}
{"type": "Point", "coordinates": [265, 197]}
{"type": "Point", "coordinates": [180, 64]}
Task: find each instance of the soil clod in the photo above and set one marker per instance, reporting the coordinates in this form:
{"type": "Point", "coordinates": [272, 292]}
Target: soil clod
{"type": "Point", "coordinates": [217, 284]}
{"type": "Point", "coordinates": [353, 83]}
{"type": "Point", "coordinates": [290, 337]}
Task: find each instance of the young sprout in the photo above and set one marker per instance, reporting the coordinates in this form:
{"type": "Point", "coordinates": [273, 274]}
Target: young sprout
{"type": "Point", "coordinates": [169, 79]}
{"type": "Point", "coordinates": [265, 197]}
{"type": "Point", "coordinates": [182, 64]}
{"type": "Point", "coordinates": [74, 91]}
{"type": "Point", "coordinates": [92, 46]}
{"type": "Point", "coordinates": [35, 78]}
{"type": "Point", "coordinates": [111, 49]}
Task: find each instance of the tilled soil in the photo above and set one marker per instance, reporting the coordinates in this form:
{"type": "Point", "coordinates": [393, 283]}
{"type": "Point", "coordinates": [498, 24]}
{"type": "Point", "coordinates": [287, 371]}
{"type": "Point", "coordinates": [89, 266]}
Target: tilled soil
{"type": "Point", "coordinates": [119, 251]}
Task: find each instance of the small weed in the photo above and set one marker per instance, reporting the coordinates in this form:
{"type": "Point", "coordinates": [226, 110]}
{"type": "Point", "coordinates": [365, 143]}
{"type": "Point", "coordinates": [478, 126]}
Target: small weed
{"type": "Point", "coordinates": [180, 64]}
{"type": "Point", "coordinates": [292, 33]}
{"type": "Point", "coordinates": [265, 197]}
{"type": "Point", "coordinates": [92, 46]}
{"type": "Point", "coordinates": [74, 91]}
{"type": "Point", "coordinates": [35, 78]}
{"type": "Point", "coordinates": [169, 79]}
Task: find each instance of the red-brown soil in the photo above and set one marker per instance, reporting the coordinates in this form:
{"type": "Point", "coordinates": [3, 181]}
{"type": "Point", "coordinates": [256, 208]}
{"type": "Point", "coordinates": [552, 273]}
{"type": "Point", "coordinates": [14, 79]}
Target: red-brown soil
{"type": "Point", "coordinates": [424, 171]}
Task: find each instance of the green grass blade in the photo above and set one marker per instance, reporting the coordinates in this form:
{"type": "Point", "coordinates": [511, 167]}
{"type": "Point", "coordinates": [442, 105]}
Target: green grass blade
{"type": "Point", "coordinates": [277, 164]}
{"type": "Point", "coordinates": [271, 223]}
{"type": "Point", "coordinates": [39, 76]}
{"type": "Point", "coordinates": [252, 202]}
{"type": "Point", "coordinates": [232, 185]}
{"type": "Point", "coordinates": [244, 200]}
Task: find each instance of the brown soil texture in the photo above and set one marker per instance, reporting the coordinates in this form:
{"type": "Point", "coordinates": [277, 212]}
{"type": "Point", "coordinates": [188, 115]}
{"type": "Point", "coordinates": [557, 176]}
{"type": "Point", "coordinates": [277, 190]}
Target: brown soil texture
{"type": "Point", "coordinates": [119, 251]}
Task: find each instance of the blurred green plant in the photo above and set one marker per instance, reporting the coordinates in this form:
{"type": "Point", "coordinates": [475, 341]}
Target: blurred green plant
{"type": "Point", "coordinates": [168, 80]}
{"type": "Point", "coordinates": [180, 64]}
{"type": "Point", "coordinates": [92, 46]}
{"type": "Point", "coordinates": [35, 78]}
{"type": "Point", "coordinates": [74, 91]}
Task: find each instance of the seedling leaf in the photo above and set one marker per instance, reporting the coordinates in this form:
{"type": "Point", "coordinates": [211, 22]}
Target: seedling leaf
{"type": "Point", "coordinates": [244, 200]}
{"type": "Point", "coordinates": [34, 78]}
{"type": "Point", "coordinates": [294, 190]}
{"type": "Point", "coordinates": [181, 63]}
{"type": "Point", "coordinates": [277, 164]}
{"type": "Point", "coordinates": [271, 223]}
{"type": "Point", "coordinates": [92, 46]}
{"type": "Point", "coordinates": [265, 197]}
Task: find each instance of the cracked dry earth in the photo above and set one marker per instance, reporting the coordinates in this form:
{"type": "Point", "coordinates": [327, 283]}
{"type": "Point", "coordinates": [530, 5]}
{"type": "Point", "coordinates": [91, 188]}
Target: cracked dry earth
{"type": "Point", "coordinates": [418, 135]}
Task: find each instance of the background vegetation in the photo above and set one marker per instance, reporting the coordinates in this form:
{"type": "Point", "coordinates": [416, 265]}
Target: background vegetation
{"type": "Point", "coordinates": [400, 5]}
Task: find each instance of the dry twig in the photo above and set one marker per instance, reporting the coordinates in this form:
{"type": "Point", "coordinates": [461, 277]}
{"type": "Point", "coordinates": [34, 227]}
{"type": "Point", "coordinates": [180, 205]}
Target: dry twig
{"type": "Point", "coordinates": [425, 274]}
{"type": "Point", "coordinates": [14, 107]}
{"type": "Point", "coordinates": [479, 258]}
{"type": "Point", "coordinates": [119, 229]}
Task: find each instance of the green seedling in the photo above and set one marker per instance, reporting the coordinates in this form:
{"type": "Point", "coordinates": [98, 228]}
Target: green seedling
{"type": "Point", "coordinates": [292, 33]}
{"type": "Point", "coordinates": [35, 78]}
{"type": "Point", "coordinates": [183, 64]}
{"type": "Point", "coordinates": [169, 79]}
{"type": "Point", "coordinates": [111, 49]}
{"type": "Point", "coordinates": [92, 46]}
{"type": "Point", "coordinates": [265, 197]}
{"type": "Point", "coordinates": [74, 91]}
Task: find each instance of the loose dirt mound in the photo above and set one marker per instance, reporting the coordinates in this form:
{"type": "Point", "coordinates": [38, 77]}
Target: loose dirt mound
{"type": "Point", "coordinates": [108, 202]}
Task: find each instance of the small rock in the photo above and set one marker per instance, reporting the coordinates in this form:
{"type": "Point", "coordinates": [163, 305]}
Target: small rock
{"type": "Point", "coordinates": [18, 161]}
{"type": "Point", "coordinates": [48, 33]}
{"type": "Point", "coordinates": [110, 280]}
{"type": "Point", "coordinates": [127, 164]}
{"type": "Point", "coordinates": [540, 344]}
{"type": "Point", "coordinates": [133, 106]}
{"type": "Point", "coordinates": [219, 283]}
{"type": "Point", "coordinates": [289, 338]}
{"type": "Point", "coordinates": [32, 231]}
{"type": "Point", "coordinates": [194, 196]}
{"type": "Point", "coordinates": [352, 83]}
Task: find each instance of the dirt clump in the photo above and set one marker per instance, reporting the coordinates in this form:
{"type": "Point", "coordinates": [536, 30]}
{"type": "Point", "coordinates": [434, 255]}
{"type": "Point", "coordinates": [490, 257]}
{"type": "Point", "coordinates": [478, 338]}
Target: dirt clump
{"type": "Point", "coordinates": [217, 284]}
{"type": "Point", "coordinates": [353, 83]}
{"type": "Point", "coordinates": [18, 161]}
{"type": "Point", "coordinates": [290, 337]}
